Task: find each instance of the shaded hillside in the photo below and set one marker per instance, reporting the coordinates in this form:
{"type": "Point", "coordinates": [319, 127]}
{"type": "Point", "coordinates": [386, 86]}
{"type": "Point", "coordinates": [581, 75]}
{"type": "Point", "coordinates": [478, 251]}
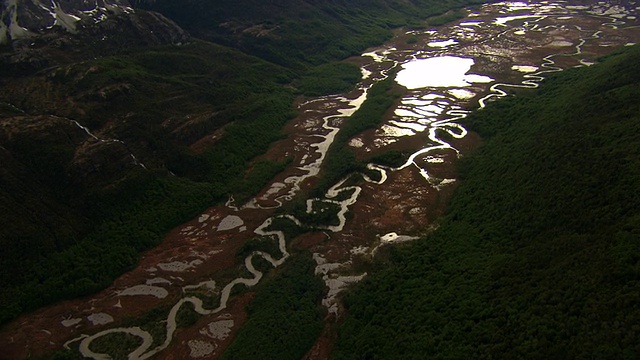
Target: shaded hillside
{"type": "Point", "coordinates": [36, 34]}
{"type": "Point", "coordinates": [539, 256]}
{"type": "Point", "coordinates": [171, 132]}
{"type": "Point", "coordinates": [296, 33]}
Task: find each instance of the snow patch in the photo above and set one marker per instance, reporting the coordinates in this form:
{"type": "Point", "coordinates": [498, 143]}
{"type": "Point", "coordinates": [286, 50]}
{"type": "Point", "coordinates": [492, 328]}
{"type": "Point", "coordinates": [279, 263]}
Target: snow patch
{"type": "Point", "coordinates": [442, 44]}
{"type": "Point", "coordinates": [15, 30]}
{"type": "Point", "coordinates": [64, 20]}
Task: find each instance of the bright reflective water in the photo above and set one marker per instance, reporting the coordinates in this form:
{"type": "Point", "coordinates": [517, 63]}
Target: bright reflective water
{"type": "Point", "coordinates": [440, 71]}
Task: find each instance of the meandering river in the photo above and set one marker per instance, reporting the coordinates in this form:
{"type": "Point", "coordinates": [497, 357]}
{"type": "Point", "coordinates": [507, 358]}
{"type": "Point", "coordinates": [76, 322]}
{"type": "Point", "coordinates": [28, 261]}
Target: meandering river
{"type": "Point", "coordinates": [446, 73]}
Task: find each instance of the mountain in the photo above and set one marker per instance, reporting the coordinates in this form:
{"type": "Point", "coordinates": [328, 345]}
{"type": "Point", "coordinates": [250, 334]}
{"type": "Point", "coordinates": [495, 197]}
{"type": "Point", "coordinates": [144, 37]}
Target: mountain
{"type": "Point", "coordinates": [46, 33]}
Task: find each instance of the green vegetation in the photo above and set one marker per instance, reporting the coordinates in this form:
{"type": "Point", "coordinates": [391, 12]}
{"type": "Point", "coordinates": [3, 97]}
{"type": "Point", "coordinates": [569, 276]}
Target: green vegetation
{"type": "Point", "coordinates": [290, 229]}
{"type": "Point", "coordinates": [265, 244]}
{"type": "Point", "coordinates": [285, 317]}
{"type": "Point", "coordinates": [64, 355]}
{"type": "Point", "coordinates": [118, 345]}
{"type": "Point", "coordinates": [260, 172]}
{"type": "Point", "coordinates": [329, 78]}
{"type": "Point", "coordinates": [87, 266]}
{"type": "Point", "coordinates": [298, 33]}
{"type": "Point", "coordinates": [539, 255]}
{"type": "Point", "coordinates": [447, 17]}
{"type": "Point", "coordinates": [322, 213]}
{"type": "Point", "coordinates": [412, 39]}
{"type": "Point", "coordinates": [392, 158]}
{"type": "Point", "coordinates": [186, 316]}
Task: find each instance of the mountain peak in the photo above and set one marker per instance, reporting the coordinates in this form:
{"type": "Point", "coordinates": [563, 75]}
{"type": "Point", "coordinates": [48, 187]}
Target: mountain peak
{"type": "Point", "coordinates": [22, 19]}
{"type": "Point", "coordinates": [42, 33]}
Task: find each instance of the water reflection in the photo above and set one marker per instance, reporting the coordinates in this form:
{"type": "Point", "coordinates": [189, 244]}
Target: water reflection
{"type": "Point", "coordinates": [502, 21]}
{"type": "Point", "coordinates": [524, 68]}
{"type": "Point", "coordinates": [442, 71]}
{"type": "Point", "coordinates": [442, 44]}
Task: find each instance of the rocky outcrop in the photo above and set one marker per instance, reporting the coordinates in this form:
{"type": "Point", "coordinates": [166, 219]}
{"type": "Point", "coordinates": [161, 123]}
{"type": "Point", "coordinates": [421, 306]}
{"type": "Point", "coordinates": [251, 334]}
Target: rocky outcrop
{"type": "Point", "coordinates": [26, 19]}
{"type": "Point", "coordinates": [41, 33]}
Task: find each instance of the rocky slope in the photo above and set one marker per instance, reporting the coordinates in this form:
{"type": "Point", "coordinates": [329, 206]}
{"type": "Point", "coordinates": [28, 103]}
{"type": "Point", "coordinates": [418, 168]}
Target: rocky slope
{"type": "Point", "coordinates": [43, 33]}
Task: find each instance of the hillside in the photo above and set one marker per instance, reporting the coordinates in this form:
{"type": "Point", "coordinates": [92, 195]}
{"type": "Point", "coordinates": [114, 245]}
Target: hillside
{"type": "Point", "coordinates": [296, 33]}
{"type": "Point", "coordinates": [538, 256]}
{"type": "Point", "coordinates": [79, 204]}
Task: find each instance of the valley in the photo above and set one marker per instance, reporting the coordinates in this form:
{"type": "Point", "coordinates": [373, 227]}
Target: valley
{"type": "Point", "coordinates": [188, 295]}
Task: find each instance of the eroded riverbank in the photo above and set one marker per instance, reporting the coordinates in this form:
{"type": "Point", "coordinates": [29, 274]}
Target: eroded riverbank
{"type": "Point", "coordinates": [508, 44]}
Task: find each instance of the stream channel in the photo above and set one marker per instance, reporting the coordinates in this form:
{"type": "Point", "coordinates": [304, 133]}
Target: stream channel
{"type": "Point", "coordinates": [444, 74]}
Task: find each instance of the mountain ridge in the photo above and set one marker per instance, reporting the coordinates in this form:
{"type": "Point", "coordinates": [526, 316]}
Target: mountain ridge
{"type": "Point", "coordinates": [39, 34]}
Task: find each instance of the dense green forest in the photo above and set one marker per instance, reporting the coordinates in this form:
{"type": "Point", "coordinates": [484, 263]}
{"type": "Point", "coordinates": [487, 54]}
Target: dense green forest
{"type": "Point", "coordinates": [285, 318]}
{"type": "Point", "coordinates": [539, 254]}
{"type": "Point", "coordinates": [296, 33]}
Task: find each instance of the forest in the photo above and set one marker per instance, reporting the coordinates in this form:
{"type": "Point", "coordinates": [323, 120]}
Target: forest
{"type": "Point", "coordinates": [296, 33]}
